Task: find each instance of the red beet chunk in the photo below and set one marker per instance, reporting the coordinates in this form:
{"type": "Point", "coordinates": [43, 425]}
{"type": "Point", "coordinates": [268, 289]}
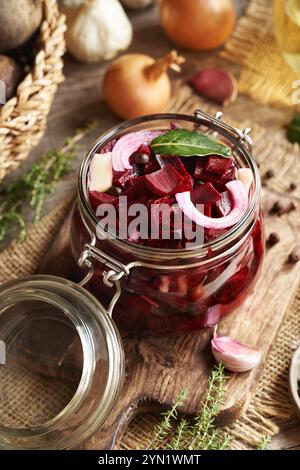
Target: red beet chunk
{"type": "Point", "coordinates": [229, 174]}
{"type": "Point", "coordinates": [97, 198]}
{"type": "Point", "coordinates": [179, 166]}
{"type": "Point", "coordinates": [109, 146]}
{"type": "Point", "coordinates": [167, 181]}
{"type": "Point", "coordinates": [151, 166]}
{"type": "Point", "coordinates": [144, 149]}
{"type": "Point", "coordinates": [212, 233]}
{"type": "Point", "coordinates": [228, 292]}
{"type": "Point", "coordinates": [216, 164]}
{"type": "Point", "coordinates": [137, 189]}
{"type": "Point", "coordinates": [205, 194]}
{"type": "Point", "coordinates": [223, 206]}
{"type": "Point", "coordinates": [121, 178]}
{"type": "Point", "coordinates": [204, 166]}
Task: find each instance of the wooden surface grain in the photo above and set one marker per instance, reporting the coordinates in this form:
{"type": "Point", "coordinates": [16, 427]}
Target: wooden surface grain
{"type": "Point", "coordinates": [79, 99]}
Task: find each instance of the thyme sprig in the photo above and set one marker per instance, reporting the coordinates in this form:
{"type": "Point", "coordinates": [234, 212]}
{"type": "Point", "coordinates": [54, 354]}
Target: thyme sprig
{"type": "Point", "coordinates": [162, 430]}
{"type": "Point", "coordinates": [201, 432]}
{"type": "Point", "coordinates": [32, 187]}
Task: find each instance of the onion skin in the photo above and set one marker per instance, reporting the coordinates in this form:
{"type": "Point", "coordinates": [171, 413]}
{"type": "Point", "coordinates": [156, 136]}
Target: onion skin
{"type": "Point", "coordinates": [137, 84]}
{"type": "Point", "coordinates": [198, 25]}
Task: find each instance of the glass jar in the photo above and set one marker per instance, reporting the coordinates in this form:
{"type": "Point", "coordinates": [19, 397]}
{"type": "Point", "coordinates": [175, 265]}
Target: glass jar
{"type": "Point", "coordinates": [171, 290]}
{"type": "Point", "coordinates": [61, 364]}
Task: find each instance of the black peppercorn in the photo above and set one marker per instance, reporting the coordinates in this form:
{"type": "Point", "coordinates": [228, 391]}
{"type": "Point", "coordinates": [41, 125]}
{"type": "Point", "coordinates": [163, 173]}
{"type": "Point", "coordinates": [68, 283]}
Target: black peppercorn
{"type": "Point", "coordinates": [293, 186]}
{"type": "Point", "coordinates": [141, 159]}
{"type": "Point", "coordinates": [269, 174]}
{"type": "Point", "coordinates": [294, 255]}
{"type": "Point", "coordinates": [280, 209]}
{"type": "Point", "coordinates": [115, 191]}
{"type": "Point", "coordinates": [273, 239]}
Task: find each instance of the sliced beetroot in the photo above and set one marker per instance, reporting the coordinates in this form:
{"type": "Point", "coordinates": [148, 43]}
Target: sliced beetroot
{"type": "Point", "coordinates": [224, 205]}
{"type": "Point", "coordinates": [229, 174]}
{"type": "Point", "coordinates": [179, 166]}
{"type": "Point", "coordinates": [167, 181]}
{"type": "Point", "coordinates": [205, 194]}
{"type": "Point", "coordinates": [212, 233]}
{"type": "Point", "coordinates": [120, 178]}
{"type": "Point", "coordinates": [152, 165]}
{"type": "Point", "coordinates": [217, 84]}
{"type": "Point", "coordinates": [137, 189]}
{"type": "Point", "coordinates": [108, 147]}
{"type": "Point", "coordinates": [233, 286]}
{"type": "Point", "coordinates": [96, 199]}
{"type": "Point", "coordinates": [144, 149]}
{"type": "Point", "coordinates": [217, 180]}
{"type": "Point", "coordinates": [218, 165]}
{"type": "Point", "coordinates": [169, 200]}
{"type": "Point", "coordinates": [215, 170]}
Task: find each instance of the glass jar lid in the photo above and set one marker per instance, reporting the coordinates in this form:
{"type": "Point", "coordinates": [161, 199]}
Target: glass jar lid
{"type": "Point", "coordinates": [61, 364]}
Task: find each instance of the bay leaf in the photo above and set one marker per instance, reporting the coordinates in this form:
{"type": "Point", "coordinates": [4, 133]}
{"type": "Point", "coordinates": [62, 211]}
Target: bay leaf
{"type": "Point", "coordinates": [185, 143]}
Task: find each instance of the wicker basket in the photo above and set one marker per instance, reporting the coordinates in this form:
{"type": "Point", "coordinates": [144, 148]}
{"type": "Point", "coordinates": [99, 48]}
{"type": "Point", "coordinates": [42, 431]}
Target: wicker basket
{"type": "Point", "coordinates": [23, 118]}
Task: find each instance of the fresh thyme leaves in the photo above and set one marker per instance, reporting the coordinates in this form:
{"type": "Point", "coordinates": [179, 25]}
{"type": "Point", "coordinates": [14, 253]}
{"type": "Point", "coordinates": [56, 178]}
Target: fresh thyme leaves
{"type": "Point", "coordinates": [201, 432]}
{"type": "Point", "coordinates": [162, 430]}
{"type": "Point", "coordinates": [33, 187]}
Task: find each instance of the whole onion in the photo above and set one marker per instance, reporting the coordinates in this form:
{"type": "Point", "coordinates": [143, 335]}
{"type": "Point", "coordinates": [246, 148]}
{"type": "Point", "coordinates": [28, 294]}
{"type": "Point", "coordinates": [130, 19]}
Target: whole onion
{"type": "Point", "coordinates": [198, 25]}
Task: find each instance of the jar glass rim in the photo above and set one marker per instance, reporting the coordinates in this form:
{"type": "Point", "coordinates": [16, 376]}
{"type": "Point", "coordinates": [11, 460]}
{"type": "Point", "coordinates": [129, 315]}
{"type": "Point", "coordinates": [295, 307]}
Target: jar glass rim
{"type": "Point", "coordinates": [196, 251]}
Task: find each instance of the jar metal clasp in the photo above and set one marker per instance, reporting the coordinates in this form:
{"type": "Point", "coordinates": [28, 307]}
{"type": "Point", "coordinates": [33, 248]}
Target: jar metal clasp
{"type": "Point", "coordinates": [111, 277]}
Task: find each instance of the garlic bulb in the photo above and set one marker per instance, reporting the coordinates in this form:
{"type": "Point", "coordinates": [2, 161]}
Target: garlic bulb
{"type": "Point", "coordinates": [235, 356]}
{"type": "Point", "coordinates": [137, 4]}
{"type": "Point", "coordinates": [97, 29]}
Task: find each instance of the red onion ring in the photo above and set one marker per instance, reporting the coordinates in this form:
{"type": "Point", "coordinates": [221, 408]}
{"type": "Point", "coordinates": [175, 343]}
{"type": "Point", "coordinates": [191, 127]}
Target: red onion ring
{"type": "Point", "coordinates": [240, 205]}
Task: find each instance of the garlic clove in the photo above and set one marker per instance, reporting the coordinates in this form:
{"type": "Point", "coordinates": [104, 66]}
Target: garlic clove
{"type": "Point", "coordinates": [101, 173]}
{"type": "Point", "coordinates": [216, 84]}
{"type": "Point", "coordinates": [235, 356]}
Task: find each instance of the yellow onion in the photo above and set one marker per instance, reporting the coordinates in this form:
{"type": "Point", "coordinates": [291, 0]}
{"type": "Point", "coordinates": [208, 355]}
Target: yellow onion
{"type": "Point", "coordinates": [137, 84]}
{"type": "Point", "coordinates": [198, 25]}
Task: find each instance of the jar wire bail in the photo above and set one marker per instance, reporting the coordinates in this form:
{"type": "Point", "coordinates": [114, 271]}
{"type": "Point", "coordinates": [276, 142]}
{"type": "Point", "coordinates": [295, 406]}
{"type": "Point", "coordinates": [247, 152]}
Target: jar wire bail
{"type": "Point", "coordinates": [242, 135]}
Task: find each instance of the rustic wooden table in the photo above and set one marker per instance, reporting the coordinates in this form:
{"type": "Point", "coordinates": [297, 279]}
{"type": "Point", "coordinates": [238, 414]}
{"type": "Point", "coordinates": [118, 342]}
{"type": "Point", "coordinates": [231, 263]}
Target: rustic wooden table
{"type": "Point", "coordinates": [79, 99]}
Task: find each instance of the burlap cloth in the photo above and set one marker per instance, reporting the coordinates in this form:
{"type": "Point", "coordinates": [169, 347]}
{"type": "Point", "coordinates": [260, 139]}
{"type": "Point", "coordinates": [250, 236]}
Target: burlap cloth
{"type": "Point", "coordinates": [265, 76]}
{"type": "Point", "coordinates": [271, 405]}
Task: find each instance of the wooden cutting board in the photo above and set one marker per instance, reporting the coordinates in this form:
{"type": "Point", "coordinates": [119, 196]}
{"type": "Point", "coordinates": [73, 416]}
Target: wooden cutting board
{"type": "Point", "coordinates": [157, 368]}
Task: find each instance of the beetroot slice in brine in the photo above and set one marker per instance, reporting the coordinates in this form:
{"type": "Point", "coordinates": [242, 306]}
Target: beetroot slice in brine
{"type": "Point", "coordinates": [167, 181]}
{"type": "Point", "coordinates": [205, 194]}
{"type": "Point", "coordinates": [217, 165]}
{"type": "Point", "coordinates": [97, 198]}
{"type": "Point", "coordinates": [224, 205]}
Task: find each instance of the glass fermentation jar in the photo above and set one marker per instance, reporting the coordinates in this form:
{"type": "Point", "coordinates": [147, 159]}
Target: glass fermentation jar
{"type": "Point", "coordinates": [61, 364]}
{"type": "Point", "coordinates": [61, 355]}
{"type": "Point", "coordinates": [171, 290]}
